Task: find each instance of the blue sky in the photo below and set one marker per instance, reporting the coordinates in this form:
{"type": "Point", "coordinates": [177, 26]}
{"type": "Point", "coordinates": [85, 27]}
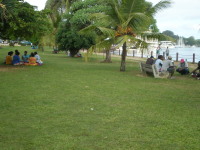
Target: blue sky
{"type": "Point", "coordinates": [183, 17]}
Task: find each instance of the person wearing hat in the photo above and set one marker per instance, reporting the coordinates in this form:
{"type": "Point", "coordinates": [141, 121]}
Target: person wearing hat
{"type": "Point", "coordinates": [196, 72]}
{"type": "Point", "coordinates": [183, 67]}
{"type": "Point", "coordinates": [168, 66]}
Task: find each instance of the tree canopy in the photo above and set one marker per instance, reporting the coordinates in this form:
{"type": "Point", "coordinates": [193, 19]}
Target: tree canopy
{"type": "Point", "coordinates": [126, 21]}
{"type": "Point", "coordinates": [190, 41]}
{"type": "Point", "coordinates": [68, 37]}
{"type": "Point", "coordinates": [20, 20]}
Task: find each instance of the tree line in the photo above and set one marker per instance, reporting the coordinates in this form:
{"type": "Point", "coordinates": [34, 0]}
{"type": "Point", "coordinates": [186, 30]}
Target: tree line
{"type": "Point", "coordinates": [190, 41]}
{"type": "Point", "coordinates": [20, 20]}
{"type": "Point", "coordinates": [72, 25]}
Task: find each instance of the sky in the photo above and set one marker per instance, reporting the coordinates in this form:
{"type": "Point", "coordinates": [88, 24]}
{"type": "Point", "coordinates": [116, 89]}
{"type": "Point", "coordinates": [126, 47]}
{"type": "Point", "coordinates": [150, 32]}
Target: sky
{"type": "Point", "coordinates": [182, 18]}
{"type": "Point", "coordinates": [39, 3]}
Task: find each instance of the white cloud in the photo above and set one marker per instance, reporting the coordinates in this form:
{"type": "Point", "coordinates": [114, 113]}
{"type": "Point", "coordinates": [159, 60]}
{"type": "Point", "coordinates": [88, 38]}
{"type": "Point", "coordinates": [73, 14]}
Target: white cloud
{"type": "Point", "coordinates": [182, 18]}
{"type": "Point", "coordinates": [39, 3]}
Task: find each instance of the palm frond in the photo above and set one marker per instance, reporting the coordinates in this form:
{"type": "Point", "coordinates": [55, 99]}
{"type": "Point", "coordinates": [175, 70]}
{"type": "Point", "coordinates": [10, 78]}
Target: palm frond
{"type": "Point", "coordinates": [160, 6]}
{"type": "Point", "coordinates": [88, 29]}
{"type": "Point", "coordinates": [119, 41]}
{"type": "Point", "coordinates": [116, 11]}
{"type": "Point", "coordinates": [101, 19]}
{"type": "Point", "coordinates": [107, 32]}
{"type": "Point", "coordinates": [158, 36]}
{"type": "Point", "coordinates": [132, 7]}
{"type": "Point", "coordinates": [97, 16]}
{"type": "Point", "coordinates": [138, 19]}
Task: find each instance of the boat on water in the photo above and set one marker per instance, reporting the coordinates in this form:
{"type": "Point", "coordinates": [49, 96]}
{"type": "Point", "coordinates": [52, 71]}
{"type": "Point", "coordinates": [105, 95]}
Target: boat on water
{"type": "Point", "coordinates": [165, 44]}
{"type": "Point", "coordinates": [180, 43]}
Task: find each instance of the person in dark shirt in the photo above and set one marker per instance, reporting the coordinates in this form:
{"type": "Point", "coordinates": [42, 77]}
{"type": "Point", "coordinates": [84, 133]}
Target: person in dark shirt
{"type": "Point", "coordinates": [196, 72]}
{"type": "Point", "coordinates": [150, 60]}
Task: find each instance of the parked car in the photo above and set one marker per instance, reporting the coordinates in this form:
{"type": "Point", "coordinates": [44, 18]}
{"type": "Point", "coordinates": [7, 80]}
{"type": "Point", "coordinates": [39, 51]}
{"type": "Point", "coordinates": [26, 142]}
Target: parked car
{"type": "Point", "coordinates": [24, 43]}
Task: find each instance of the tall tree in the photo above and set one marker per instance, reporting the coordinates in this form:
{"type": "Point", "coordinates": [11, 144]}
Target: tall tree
{"type": "Point", "coordinates": [78, 18]}
{"type": "Point", "coordinates": [57, 8]}
{"type": "Point", "coordinates": [127, 20]}
{"type": "Point", "coordinates": [21, 20]}
{"type": "Point", "coordinates": [197, 43]}
{"type": "Point", "coordinates": [190, 41]}
{"type": "Point", "coordinates": [171, 34]}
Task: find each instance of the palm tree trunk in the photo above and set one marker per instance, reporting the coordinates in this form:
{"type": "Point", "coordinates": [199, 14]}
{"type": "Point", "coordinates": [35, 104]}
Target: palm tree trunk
{"type": "Point", "coordinates": [123, 58]}
{"type": "Point", "coordinates": [108, 57]}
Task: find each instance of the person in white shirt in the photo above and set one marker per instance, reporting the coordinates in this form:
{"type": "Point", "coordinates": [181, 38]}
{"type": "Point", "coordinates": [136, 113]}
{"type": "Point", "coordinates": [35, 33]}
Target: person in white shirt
{"type": "Point", "coordinates": [38, 60]}
{"type": "Point", "coordinates": [168, 66]}
{"type": "Point", "coordinates": [159, 63]}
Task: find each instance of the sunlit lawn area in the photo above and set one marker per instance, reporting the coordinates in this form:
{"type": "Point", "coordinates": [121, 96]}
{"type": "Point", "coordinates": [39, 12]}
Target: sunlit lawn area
{"type": "Point", "coordinates": [68, 104]}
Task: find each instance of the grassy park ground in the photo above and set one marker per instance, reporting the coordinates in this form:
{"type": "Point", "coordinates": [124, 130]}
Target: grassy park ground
{"type": "Point", "coordinates": [68, 104]}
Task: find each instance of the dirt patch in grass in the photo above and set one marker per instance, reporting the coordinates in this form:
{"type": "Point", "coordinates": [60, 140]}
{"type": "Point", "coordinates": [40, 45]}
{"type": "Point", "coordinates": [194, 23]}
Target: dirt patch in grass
{"type": "Point", "coordinates": [10, 68]}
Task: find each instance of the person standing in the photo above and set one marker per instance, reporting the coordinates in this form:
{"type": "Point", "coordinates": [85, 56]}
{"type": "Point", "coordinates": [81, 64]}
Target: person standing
{"type": "Point", "coordinates": [158, 50]}
{"type": "Point", "coordinates": [167, 52]}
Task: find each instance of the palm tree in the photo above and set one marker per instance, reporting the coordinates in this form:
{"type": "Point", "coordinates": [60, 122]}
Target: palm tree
{"type": "Point", "coordinates": [57, 9]}
{"type": "Point", "coordinates": [125, 21]}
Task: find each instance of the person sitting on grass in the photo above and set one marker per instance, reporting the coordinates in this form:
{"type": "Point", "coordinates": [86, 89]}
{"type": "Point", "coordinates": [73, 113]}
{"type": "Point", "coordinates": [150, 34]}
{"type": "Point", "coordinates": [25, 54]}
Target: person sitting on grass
{"type": "Point", "coordinates": [16, 51]}
{"type": "Point", "coordinates": [168, 66]}
{"type": "Point", "coordinates": [9, 58]}
{"type": "Point", "coordinates": [196, 72]}
{"type": "Point", "coordinates": [16, 59]}
{"type": "Point", "coordinates": [32, 60]}
{"type": "Point", "coordinates": [183, 67]}
{"type": "Point", "coordinates": [25, 57]}
{"type": "Point", "coordinates": [38, 60]}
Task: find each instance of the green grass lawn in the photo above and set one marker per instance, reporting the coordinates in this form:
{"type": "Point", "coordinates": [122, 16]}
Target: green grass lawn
{"type": "Point", "coordinates": [68, 104]}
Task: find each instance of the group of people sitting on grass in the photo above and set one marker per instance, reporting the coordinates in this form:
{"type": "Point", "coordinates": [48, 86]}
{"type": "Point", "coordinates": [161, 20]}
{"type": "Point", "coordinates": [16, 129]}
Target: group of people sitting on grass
{"type": "Point", "coordinates": [167, 65]}
{"type": "Point", "coordinates": [33, 59]}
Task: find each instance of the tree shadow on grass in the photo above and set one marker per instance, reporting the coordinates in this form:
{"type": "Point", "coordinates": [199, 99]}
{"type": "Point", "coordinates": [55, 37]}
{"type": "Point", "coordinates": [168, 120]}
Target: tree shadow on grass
{"type": "Point", "coordinates": [10, 68]}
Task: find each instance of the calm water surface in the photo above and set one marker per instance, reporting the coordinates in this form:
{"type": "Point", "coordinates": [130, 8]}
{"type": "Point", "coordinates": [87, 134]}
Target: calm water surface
{"type": "Point", "coordinates": [186, 53]}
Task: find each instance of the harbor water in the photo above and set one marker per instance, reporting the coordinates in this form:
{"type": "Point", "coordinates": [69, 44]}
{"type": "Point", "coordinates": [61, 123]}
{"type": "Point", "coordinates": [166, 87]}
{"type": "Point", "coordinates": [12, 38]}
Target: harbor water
{"type": "Point", "coordinates": [185, 53]}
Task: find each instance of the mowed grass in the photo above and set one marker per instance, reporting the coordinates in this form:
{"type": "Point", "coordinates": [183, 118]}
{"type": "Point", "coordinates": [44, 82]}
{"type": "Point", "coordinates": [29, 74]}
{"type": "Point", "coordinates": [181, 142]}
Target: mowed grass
{"type": "Point", "coordinates": [68, 104]}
